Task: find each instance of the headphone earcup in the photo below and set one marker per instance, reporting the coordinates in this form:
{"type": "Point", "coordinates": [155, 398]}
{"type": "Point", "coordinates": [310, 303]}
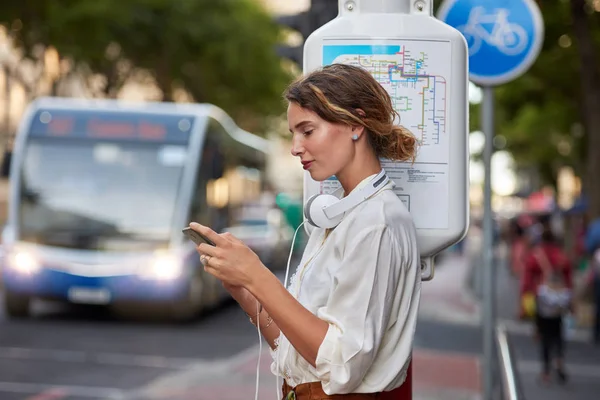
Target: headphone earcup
{"type": "Point", "coordinates": [313, 211]}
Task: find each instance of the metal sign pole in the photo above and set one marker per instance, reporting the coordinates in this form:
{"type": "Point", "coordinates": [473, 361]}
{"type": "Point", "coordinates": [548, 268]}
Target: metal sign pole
{"type": "Point", "coordinates": [493, 61]}
{"type": "Point", "coordinates": [488, 245]}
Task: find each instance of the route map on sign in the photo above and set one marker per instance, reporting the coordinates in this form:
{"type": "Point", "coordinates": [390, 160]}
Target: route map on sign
{"type": "Point", "coordinates": [415, 73]}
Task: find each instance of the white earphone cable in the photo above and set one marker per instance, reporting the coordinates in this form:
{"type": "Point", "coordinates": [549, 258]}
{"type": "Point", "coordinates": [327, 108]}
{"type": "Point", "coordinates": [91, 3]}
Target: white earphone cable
{"type": "Point", "coordinates": [259, 350]}
{"type": "Point", "coordinates": [285, 281]}
{"type": "Point", "coordinates": [287, 270]}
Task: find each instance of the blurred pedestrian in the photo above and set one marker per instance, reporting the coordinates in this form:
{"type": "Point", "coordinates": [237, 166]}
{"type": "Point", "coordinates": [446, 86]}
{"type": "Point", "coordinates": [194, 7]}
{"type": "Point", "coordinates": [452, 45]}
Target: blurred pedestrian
{"type": "Point", "coordinates": [553, 303]}
{"type": "Point", "coordinates": [346, 324]}
{"type": "Point", "coordinates": [592, 246]}
{"type": "Point", "coordinates": [543, 242]}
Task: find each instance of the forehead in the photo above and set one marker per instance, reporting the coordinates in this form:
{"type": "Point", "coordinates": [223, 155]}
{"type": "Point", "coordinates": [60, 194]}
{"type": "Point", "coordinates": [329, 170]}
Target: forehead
{"type": "Point", "coordinates": [295, 109]}
{"type": "Point", "coordinates": [297, 114]}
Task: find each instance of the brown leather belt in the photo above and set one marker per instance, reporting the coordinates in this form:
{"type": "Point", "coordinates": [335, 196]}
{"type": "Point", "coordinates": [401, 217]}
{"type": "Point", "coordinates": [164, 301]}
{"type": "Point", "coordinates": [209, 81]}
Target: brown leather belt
{"type": "Point", "coordinates": [314, 391]}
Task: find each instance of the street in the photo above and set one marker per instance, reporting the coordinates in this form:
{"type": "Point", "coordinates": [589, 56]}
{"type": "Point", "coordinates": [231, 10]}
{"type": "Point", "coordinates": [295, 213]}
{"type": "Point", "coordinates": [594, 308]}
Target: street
{"type": "Point", "coordinates": [85, 353]}
{"type": "Point", "coordinates": [68, 352]}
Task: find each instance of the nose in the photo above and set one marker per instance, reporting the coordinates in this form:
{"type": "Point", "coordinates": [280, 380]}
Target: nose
{"type": "Point", "coordinates": [297, 146]}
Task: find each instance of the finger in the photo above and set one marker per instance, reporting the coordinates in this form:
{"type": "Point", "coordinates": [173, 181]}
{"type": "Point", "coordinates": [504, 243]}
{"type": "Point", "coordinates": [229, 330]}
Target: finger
{"type": "Point", "coordinates": [214, 265]}
{"type": "Point", "coordinates": [207, 249]}
{"type": "Point", "coordinates": [232, 238]}
{"type": "Point", "coordinates": [213, 271]}
{"type": "Point", "coordinates": [210, 234]}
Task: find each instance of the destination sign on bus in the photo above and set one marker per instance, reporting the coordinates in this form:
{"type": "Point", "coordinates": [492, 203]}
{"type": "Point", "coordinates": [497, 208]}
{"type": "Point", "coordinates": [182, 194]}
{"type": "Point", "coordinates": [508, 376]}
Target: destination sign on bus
{"type": "Point", "coordinates": [110, 125]}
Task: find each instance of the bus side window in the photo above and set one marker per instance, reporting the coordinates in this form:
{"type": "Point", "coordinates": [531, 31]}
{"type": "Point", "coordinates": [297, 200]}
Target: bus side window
{"type": "Point", "coordinates": [209, 203]}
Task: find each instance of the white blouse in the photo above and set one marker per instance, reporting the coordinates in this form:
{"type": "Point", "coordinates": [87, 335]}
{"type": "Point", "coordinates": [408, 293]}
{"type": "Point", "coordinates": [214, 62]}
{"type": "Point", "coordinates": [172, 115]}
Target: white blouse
{"type": "Point", "coordinates": [364, 280]}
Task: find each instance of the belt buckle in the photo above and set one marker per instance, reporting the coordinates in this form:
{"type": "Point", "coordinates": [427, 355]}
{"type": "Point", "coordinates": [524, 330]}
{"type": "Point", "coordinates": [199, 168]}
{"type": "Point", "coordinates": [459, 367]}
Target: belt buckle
{"type": "Point", "coordinates": [291, 395]}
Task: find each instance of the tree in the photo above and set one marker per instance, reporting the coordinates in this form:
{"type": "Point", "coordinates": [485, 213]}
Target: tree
{"type": "Point", "coordinates": [590, 90]}
{"type": "Point", "coordinates": [546, 115]}
{"type": "Point", "coordinates": [221, 52]}
{"type": "Point", "coordinates": [539, 112]}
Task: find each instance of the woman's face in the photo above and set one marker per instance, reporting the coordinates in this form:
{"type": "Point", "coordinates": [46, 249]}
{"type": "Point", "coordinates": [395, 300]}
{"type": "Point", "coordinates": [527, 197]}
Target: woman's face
{"type": "Point", "coordinates": [324, 148]}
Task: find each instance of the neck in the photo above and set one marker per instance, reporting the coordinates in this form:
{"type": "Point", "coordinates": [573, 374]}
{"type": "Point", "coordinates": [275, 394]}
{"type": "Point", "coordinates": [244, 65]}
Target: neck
{"type": "Point", "coordinates": [355, 173]}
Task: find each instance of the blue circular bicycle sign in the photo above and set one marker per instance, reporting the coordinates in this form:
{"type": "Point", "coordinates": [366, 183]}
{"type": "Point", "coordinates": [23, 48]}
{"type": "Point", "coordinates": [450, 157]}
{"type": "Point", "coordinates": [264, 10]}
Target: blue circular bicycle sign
{"type": "Point", "coordinates": [504, 36]}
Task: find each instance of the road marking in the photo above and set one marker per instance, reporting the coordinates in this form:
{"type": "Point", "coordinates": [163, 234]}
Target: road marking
{"type": "Point", "coordinates": [71, 356]}
{"type": "Point", "coordinates": [50, 394]}
{"type": "Point", "coordinates": [206, 370]}
{"type": "Point", "coordinates": [581, 370]}
{"type": "Point", "coordinates": [75, 391]}
{"type": "Point", "coordinates": [527, 328]}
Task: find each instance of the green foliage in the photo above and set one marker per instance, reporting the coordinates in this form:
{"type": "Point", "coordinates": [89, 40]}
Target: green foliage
{"type": "Point", "coordinates": [222, 52]}
{"type": "Point", "coordinates": [540, 113]}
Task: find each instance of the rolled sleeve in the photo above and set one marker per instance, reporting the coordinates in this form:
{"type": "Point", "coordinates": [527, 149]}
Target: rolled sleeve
{"type": "Point", "coordinates": [358, 309]}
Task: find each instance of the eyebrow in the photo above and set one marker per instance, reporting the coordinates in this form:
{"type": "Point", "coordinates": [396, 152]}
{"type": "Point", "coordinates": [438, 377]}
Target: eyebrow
{"type": "Point", "coordinates": [300, 125]}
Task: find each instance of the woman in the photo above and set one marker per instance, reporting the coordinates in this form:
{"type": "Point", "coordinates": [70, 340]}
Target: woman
{"type": "Point", "coordinates": [547, 265]}
{"type": "Point", "coordinates": [347, 323]}
{"type": "Point", "coordinates": [553, 302]}
{"type": "Point", "coordinates": [552, 259]}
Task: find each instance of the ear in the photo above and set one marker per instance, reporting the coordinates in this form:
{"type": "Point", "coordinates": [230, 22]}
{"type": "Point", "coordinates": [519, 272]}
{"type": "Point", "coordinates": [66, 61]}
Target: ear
{"type": "Point", "coordinates": [356, 132]}
{"type": "Point", "coordinates": [358, 129]}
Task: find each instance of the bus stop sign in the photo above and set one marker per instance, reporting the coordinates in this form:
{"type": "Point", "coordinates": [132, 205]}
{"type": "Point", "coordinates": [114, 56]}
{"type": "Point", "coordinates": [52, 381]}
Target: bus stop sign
{"type": "Point", "coordinates": [504, 36]}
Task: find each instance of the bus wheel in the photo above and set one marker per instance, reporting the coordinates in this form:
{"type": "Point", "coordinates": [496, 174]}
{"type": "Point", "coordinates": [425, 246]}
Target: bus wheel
{"type": "Point", "coordinates": [16, 306]}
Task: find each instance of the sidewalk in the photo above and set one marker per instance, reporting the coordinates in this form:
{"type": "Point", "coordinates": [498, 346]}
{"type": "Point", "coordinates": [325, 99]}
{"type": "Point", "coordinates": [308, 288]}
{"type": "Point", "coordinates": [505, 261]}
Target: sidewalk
{"type": "Point", "coordinates": [447, 297]}
{"type": "Point", "coordinates": [437, 375]}
{"type": "Point", "coordinates": [582, 358]}
{"type": "Point", "coordinates": [235, 379]}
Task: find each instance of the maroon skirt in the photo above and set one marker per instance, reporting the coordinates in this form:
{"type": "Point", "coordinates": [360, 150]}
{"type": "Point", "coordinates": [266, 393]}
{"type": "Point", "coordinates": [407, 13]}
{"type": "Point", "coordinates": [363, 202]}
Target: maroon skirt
{"type": "Point", "coordinates": [314, 391]}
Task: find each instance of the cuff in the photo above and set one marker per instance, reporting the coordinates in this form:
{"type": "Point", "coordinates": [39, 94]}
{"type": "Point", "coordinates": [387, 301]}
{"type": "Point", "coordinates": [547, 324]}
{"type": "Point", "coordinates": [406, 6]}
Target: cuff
{"type": "Point", "coordinates": [326, 355]}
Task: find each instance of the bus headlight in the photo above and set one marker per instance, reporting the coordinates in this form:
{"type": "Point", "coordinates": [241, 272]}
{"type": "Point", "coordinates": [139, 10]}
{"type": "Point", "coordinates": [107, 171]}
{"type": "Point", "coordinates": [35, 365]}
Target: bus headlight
{"type": "Point", "coordinates": [162, 267]}
{"type": "Point", "coordinates": [24, 262]}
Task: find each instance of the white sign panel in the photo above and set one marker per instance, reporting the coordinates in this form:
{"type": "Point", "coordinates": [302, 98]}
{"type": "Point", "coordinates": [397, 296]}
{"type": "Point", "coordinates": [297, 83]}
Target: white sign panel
{"type": "Point", "coordinates": [415, 73]}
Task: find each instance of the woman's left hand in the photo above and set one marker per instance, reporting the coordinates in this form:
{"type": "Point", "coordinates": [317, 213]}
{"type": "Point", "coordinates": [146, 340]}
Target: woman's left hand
{"type": "Point", "coordinates": [230, 260]}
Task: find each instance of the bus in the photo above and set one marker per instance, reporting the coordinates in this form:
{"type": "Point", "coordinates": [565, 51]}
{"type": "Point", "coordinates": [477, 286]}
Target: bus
{"type": "Point", "coordinates": [100, 191]}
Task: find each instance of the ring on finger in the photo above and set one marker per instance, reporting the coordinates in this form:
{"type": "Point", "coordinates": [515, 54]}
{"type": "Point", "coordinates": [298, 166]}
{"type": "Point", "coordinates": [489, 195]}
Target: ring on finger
{"type": "Point", "coordinates": [204, 259]}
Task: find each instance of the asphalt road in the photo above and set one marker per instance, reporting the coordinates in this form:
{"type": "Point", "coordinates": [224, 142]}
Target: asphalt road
{"type": "Point", "coordinates": [66, 352]}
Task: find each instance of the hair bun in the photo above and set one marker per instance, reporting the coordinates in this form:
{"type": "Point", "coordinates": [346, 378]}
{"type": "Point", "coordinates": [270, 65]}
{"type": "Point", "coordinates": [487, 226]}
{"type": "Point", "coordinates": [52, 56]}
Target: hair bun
{"type": "Point", "coordinates": [403, 144]}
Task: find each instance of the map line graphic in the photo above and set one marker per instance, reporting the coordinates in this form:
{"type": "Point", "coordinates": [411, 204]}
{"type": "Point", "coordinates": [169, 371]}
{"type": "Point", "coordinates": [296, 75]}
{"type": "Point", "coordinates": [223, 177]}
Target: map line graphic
{"type": "Point", "coordinates": [416, 75]}
{"type": "Point", "coordinates": [401, 71]}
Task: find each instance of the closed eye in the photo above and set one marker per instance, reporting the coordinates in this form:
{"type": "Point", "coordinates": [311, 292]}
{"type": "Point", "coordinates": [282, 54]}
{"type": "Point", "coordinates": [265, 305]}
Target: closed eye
{"type": "Point", "coordinates": [306, 133]}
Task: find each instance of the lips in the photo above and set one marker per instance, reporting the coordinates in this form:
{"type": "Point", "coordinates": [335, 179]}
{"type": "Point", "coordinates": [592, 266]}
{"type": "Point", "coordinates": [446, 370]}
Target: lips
{"type": "Point", "coordinates": [306, 164]}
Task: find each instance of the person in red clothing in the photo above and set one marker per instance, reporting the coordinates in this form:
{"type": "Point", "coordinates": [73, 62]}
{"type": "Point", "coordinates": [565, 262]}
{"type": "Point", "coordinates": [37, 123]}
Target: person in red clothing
{"type": "Point", "coordinates": [546, 266]}
{"type": "Point", "coordinates": [533, 274]}
{"type": "Point", "coordinates": [520, 246]}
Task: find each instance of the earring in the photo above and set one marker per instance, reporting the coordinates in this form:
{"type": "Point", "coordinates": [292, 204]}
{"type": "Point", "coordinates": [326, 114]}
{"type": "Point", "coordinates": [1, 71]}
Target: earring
{"type": "Point", "coordinates": [355, 137]}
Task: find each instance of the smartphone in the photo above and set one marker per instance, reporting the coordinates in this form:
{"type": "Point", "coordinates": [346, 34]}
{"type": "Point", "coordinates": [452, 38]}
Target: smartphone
{"type": "Point", "coordinates": [196, 237]}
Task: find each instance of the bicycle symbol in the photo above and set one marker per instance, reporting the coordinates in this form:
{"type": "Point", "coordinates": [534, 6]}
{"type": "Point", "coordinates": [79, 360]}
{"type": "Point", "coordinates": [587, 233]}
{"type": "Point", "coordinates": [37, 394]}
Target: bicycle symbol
{"type": "Point", "coordinates": [509, 38]}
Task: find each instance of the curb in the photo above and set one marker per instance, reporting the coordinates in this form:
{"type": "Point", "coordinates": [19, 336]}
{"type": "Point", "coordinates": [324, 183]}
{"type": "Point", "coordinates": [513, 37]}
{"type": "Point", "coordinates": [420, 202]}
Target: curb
{"type": "Point", "coordinates": [444, 312]}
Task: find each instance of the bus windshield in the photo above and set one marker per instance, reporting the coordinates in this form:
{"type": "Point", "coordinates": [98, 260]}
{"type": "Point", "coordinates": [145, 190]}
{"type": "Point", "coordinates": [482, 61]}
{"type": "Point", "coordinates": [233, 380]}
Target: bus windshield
{"type": "Point", "coordinates": [99, 194]}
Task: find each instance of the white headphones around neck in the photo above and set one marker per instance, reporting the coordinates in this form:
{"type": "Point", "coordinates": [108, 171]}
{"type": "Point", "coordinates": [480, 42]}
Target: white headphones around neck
{"type": "Point", "coordinates": [327, 210]}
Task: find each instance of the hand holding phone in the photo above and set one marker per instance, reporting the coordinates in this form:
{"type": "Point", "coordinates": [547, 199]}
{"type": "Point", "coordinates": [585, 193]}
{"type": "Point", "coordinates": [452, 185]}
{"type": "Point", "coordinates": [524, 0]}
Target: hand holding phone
{"type": "Point", "coordinates": [196, 237]}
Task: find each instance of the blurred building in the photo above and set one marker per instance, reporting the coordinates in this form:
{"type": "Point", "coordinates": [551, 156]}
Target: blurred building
{"type": "Point", "coordinates": [26, 81]}
{"type": "Point", "coordinates": [283, 169]}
